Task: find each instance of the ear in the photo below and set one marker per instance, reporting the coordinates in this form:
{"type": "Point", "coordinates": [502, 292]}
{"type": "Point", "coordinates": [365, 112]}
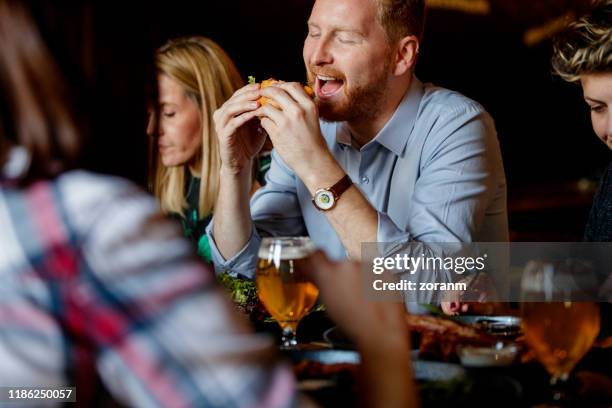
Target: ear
{"type": "Point", "coordinates": [406, 52]}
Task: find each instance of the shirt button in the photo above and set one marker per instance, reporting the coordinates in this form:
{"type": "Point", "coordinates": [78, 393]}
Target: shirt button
{"type": "Point", "coordinates": [365, 180]}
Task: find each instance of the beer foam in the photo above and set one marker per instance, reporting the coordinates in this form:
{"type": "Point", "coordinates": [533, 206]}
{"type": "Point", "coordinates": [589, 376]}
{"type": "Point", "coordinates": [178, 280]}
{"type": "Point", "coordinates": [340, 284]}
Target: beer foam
{"type": "Point", "coordinates": [285, 253]}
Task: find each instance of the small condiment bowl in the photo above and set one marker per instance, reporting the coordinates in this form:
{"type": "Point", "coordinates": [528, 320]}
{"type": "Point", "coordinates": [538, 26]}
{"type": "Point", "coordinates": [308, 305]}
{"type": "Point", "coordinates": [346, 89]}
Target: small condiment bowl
{"type": "Point", "coordinates": [498, 355]}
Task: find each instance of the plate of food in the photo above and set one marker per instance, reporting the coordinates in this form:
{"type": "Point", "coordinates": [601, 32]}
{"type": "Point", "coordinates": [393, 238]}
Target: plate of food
{"type": "Point", "coordinates": [329, 362]}
{"type": "Point", "coordinates": [504, 326]}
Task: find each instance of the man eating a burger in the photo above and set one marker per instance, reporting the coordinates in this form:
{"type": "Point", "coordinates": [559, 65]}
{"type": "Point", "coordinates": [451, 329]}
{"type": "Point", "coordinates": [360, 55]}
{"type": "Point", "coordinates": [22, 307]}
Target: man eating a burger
{"type": "Point", "coordinates": [376, 156]}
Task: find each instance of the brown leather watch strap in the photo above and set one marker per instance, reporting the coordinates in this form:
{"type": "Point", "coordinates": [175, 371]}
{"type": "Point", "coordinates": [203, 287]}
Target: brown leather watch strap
{"type": "Point", "coordinates": [341, 186]}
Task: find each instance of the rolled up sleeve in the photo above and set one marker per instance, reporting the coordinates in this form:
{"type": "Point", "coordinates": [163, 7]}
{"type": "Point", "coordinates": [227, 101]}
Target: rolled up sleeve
{"type": "Point", "coordinates": [242, 263]}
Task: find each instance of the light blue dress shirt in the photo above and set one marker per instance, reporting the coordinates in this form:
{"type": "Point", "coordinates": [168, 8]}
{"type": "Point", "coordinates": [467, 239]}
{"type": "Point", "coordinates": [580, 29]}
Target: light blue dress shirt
{"type": "Point", "coordinates": [434, 173]}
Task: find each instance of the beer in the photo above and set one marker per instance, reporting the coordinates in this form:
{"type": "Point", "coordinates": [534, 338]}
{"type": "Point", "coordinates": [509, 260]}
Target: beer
{"type": "Point", "coordinates": [560, 333]}
{"type": "Point", "coordinates": [284, 290]}
{"type": "Point", "coordinates": [282, 284]}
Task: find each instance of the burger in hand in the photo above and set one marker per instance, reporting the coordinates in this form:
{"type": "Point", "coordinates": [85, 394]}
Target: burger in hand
{"type": "Point", "coordinates": [271, 81]}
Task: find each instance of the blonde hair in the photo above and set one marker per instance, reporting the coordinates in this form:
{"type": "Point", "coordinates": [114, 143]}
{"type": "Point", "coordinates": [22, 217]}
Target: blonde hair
{"type": "Point", "coordinates": [586, 46]}
{"type": "Point", "coordinates": [209, 77]}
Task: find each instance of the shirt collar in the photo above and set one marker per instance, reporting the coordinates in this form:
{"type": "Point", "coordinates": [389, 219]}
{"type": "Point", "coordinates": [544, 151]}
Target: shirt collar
{"type": "Point", "coordinates": [396, 132]}
{"type": "Point", "coordinates": [343, 135]}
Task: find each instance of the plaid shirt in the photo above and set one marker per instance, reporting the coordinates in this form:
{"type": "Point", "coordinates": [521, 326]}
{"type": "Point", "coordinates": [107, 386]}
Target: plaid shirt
{"type": "Point", "coordinates": [96, 284]}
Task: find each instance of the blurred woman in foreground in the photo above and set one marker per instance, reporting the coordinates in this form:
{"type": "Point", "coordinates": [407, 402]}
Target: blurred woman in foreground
{"type": "Point", "coordinates": [98, 290]}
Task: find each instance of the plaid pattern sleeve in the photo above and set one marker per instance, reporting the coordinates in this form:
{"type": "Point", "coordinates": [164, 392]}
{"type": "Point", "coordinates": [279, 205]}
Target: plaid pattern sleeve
{"type": "Point", "coordinates": [96, 284]}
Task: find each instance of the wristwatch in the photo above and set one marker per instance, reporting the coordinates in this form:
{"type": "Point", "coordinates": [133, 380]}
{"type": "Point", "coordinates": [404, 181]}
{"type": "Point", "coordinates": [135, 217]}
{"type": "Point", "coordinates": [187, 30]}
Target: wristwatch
{"type": "Point", "coordinates": [326, 198]}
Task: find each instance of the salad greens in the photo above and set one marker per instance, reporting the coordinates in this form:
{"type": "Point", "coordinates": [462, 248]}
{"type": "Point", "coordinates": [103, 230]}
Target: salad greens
{"type": "Point", "coordinates": [242, 291]}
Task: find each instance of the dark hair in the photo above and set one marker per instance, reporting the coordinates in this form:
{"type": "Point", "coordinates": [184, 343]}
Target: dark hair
{"type": "Point", "coordinates": [400, 18]}
{"type": "Point", "coordinates": [73, 76]}
{"type": "Point", "coordinates": [586, 46]}
{"type": "Point", "coordinates": [34, 109]}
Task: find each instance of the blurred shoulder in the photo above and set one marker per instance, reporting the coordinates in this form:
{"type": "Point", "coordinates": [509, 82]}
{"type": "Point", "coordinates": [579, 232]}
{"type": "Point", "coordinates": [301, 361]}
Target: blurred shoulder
{"type": "Point", "coordinates": [90, 183]}
{"type": "Point", "coordinates": [87, 196]}
{"type": "Point", "coordinates": [84, 188]}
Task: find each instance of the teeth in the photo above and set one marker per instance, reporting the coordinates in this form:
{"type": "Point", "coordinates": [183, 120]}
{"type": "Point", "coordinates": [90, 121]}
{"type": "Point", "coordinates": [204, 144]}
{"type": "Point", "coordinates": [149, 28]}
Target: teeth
{"type": "Point", "coordinates": [324, 78]}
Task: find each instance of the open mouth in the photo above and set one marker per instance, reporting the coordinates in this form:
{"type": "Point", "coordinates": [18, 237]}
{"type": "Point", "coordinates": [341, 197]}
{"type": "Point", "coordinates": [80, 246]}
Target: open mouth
{"type": "Point", "coordinates": [326, 86]}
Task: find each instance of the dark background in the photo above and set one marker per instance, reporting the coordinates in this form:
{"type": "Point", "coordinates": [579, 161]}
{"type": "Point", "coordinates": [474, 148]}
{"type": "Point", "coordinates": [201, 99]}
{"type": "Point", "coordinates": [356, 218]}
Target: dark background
{"type": "Point", "coordinates": [543, 124]}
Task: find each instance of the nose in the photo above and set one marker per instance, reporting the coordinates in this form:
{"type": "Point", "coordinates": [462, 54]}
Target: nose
{"type": "Point", "coordinates": [321, 53]}
{"type": "Point", "coordinates": [152, 125]}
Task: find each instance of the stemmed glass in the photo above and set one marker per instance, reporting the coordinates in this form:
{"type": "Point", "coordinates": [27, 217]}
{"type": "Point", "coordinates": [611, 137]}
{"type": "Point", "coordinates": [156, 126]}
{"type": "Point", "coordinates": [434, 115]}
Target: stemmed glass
{"type": "Point", "coordinates": [560, 316]}
{"type": "Point", "coordinates": [282, 284]}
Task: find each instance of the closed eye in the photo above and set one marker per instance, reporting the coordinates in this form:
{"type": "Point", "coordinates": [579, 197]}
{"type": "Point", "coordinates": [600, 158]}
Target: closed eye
{"type": "Point", "coordinates": [346, 41]}
{"type": "Point", "coordinates": [598, 108]}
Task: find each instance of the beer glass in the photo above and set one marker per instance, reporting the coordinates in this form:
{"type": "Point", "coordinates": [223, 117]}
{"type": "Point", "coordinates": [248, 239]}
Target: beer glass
{"type": "Point", "coordinates": [560, 316]}
{"type": "Point", "coordinates": [282, 284]}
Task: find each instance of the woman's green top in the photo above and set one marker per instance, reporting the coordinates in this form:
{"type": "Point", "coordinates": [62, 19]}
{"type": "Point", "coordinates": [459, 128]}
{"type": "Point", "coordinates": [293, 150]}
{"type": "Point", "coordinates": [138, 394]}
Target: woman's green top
{"type": "Point", "coordinates": [194, 228]}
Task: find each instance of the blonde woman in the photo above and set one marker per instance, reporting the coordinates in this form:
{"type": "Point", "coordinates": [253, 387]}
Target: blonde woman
{"type": "Point", "coordinates": [195, 77]}
{"type": "Point", "coordinates": [584, 55]}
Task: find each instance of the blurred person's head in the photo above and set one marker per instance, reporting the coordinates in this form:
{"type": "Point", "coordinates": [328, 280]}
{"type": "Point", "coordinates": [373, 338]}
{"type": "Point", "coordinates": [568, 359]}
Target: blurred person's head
{"type": "Point", "coordinates": [195, 77]}
{"type": "Point", "coordinates": [35, 113]}
{"type": "Point", "coordinates": [68, 97]}
{"type": "Point", "coordinates": [583, 54]}
{"type": "Point", "coordinates": [358, 51]}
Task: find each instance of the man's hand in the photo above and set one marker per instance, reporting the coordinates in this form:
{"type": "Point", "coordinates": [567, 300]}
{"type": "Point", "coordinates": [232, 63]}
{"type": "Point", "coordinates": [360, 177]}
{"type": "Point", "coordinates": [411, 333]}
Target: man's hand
{"type": "Point", "coordinates": [239, 142]}
{"type": "Point", "coordinates": [294, 127]}
{"type": "Point", "coordinates": [477, 299]}
{"type": "Point", "coordinates": [239, 138]}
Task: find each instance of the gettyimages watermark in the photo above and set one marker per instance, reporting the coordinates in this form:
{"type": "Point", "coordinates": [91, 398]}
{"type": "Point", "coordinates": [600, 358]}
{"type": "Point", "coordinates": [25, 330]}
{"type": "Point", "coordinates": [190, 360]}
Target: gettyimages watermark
{"type": "Point", "coordinates": [487, 272]}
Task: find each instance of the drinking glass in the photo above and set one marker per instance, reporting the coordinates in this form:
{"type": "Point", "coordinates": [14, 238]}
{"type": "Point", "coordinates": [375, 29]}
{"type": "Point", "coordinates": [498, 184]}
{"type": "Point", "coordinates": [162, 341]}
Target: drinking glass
{"type": "Point", "coordinates": [560, 316]}
{"type": "Point", "coordinates": [283, 285]}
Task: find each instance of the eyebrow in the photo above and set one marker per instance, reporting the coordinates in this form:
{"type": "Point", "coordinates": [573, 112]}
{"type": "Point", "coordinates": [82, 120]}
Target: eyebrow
{"type": "Point", "coordinates": [586, 98]}
{"type": "Point", "coordinates": [339, 29]}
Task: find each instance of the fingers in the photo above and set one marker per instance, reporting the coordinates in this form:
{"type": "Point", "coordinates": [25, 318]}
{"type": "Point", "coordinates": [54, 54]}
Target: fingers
{"type": "Point", "coordinates": [292, 101]}
{"type": "Point", "coordinates": [451, 308]}
{"type": "Point", "coordinates": [243, 100]}
{"type": "Point", "coordinates": [280, 96]}
{"type": "Point", "coordinates": [273, 117]}
{"type": "Point", "coordinates": [235, 108]}
{"type": "Point", "coordinates": [270, 112]}
{"type": "Point", "coordinates": [238, 121]}
{"type": "Point", "coordinates": [296, 91]}
{"type": "Point", "coordinates": [270, 119]}
{"type": "Point", "coordinates": [269, 127]}
{"type": "Point", "coordinates": [245, 89]}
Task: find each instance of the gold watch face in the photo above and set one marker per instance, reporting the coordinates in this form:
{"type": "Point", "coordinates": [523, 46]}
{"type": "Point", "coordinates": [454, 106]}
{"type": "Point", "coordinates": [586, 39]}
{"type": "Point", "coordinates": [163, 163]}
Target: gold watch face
{"type": "Point", "coordinates": [324, 200]}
